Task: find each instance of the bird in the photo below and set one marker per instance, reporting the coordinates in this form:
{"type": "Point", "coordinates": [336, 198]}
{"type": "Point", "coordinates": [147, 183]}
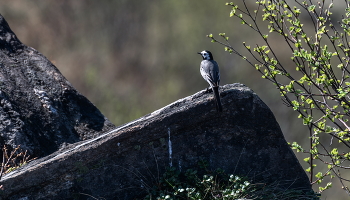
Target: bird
{"type": "Point", "coordinates": [209, 69]}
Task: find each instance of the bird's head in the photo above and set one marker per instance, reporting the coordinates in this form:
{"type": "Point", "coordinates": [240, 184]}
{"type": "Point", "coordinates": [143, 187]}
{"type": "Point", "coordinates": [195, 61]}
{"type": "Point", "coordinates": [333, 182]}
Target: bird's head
{"type": "Point", "coordinates": [206, 55]}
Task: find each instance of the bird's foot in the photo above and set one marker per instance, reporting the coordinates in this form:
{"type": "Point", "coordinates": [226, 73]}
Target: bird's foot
{"type": "Point", "coordinates": [209, 90]}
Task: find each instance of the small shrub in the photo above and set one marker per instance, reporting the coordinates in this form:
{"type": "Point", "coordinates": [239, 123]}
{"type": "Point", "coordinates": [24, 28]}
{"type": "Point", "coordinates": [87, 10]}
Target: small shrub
{"type": "Point", "coordinates": [314, 82]}
{"type": "Point", "coordinates": [217, 185]}
{"type": "Point", "coordinates": [12, 160]}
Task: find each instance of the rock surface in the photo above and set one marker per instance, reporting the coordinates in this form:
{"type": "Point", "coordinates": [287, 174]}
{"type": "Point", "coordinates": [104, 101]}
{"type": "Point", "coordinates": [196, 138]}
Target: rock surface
{"type": "Point", "coordinates": [39, 108]}
{"type": "Point", "coordinates": [244, 139]}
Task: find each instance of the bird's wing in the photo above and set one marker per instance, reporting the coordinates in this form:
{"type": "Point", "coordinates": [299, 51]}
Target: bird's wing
{"type": "Point", "coordinates": [210, 72]}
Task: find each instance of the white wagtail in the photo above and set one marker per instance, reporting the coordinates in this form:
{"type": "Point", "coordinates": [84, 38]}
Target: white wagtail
{"type": "Point", "coordinates": [210, 72]}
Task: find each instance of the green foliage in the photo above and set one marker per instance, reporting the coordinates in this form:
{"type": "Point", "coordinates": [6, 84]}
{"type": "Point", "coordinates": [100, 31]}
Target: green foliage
{"type": "Point", "coordinates": [217, 185]}
{"type": "Point", "coordinates": [193, 187]}
{"type": "Point", "coordinates": [316, 81]}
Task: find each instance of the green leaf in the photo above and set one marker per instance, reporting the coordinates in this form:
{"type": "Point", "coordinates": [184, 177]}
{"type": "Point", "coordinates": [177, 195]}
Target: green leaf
{"type": "Point", "coordinates": [307, 120]}
{"type": "Point", "coordinates": [296, 105]}
{"type": "Point", "coordinates": [319, 175]}
{"type": "Point", "coordinates": [334, 151]}
{"type": "Point", "coordinates": [233, 12]}
{"type": "Point", "coordinates": [308, 169]}
{"type": "Point", "coordinates": [311, 8]}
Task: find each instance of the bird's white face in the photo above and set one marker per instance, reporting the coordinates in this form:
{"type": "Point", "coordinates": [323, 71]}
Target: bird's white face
{"type": "Point", "coordinates": [206, 55]}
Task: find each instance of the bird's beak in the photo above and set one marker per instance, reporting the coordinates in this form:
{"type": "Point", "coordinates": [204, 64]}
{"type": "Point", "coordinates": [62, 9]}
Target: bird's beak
{"type": "Point", "coordinates": [199, 52]}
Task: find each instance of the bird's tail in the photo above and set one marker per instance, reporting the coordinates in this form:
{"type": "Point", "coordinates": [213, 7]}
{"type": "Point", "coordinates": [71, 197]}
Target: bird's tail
{"type": "Point", "coordinates": [217, 98]}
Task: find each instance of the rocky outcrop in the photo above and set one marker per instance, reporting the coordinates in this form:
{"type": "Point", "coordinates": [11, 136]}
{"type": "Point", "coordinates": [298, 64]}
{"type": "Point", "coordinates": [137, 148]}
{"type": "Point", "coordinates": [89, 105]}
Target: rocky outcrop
{"type": "Point", "coordinates": [244, 139]}
{"type": "Point", "coordinates": [39, 108]}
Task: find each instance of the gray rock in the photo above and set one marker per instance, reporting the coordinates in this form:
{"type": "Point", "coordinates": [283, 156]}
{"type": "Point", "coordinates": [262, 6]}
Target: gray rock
{"type": "Point", "coordinates": [244, 139]}
{"type": "Point", "coordinates": [39, 108]}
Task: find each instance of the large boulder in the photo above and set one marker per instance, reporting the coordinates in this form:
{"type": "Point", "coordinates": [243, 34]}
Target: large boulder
{"type": "Point", "coordinates": [244, 139]}
{"type": "Point", "coordinates": [39, 109]}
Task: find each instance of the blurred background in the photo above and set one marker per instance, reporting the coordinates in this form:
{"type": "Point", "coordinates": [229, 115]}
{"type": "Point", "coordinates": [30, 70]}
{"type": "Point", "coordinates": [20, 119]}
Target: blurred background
{"type": "Point", "coordinates": [130, 58]}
